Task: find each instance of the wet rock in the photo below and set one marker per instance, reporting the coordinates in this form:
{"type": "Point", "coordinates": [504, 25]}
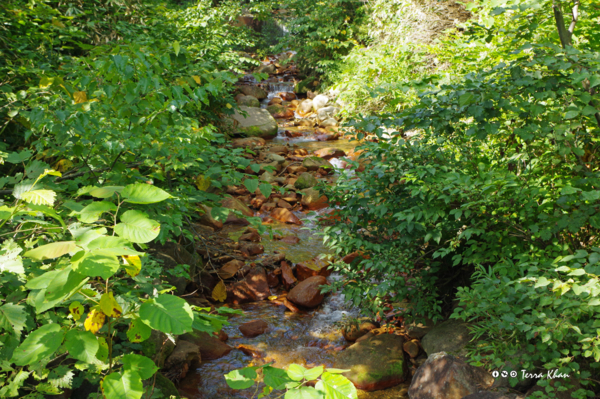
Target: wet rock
{"type": "Point", "coordinates": [314, 267]}
{"type": "Point", "coordinates": [172, 254]}
{"type": "Point", "coordinates": [250, 351]}
{"type": "Point", "coordinates": [248, 101]}
{"type": "Point", "coordinates": [273, 280]}
{"type": "Point", "coordinates": [236, 205]}
{"type": "Point", "coordinates": [287, 275]}
{"type": "Point", "coordinates": [375, 363]}
{"type": "Point", "coordinates": [258, 201]}
{"type": "Point", "coordinates": [153, 347]}
{"type": "Point", "coordinates": [257, 123]}
{"type": "Point", "coordinates": [207, 219]}
{"type": "Point", "coordinates": [308, 292]}
{"type": "Point", "coordinates": [296, 169]}
{"type": "Point", "coordinates": [275, 100]}
{"type": "Point", "coordinates": [221, 336]}
{"type": "Point", "coordinates": [230, 269]}
{"type": "Point", "coordinates": [279, 149]}
{"type": "Point", "coordinates": [272, 259]}
{"type": "Point", "coordinates": [254, 328]}
{"type": "Point", "coordinates": [418, 330]}
{"type": "Point", "coordinates": [355, 332]}
{"type": "Point", "coordinates": [283, 204]}
{"type": "Point", "coordinates": [328, 122]}
{"type": "Point", "coordinates": [269, 69]}
{"type": "Point", "coordinates": [329, 153]}
{"type": "Point", "coordinates": [450, 336]}
{"type": "Point", "coordinates": [184, 356]}
{"type": "Point", "coordinates": [285, 114]}
{"type": "Point", "coordinates": [211, 348]}
{"type": "Point", "coordinates": [305, 122]}
{"type": "Point", "coordinates": [285, 216]}
{"type": "Point", "coordinates": [250, 235]}
{"type": "Point", "coordinates": [444, 376]}
{"type": "Point", "coordinates": [267, 207]}
{"type": "Point", "coordinates": [290, 239]}
{"type": "Point", "coordinates": [251, 249]}
{"type": "Point", "coordinates": [253, 91]}
{"type": "Point", "coordinates": [315, 163]}
{"type": "Point", "coordinates": [313, 200]}
{"type": "Point", "coordinates": [319, 102]}
{"type": "Point", "coordinates": [253, 288]}
{"type": "Point", "coordinates": [412, 348]}
{"type": "Point", "coordinates": [287, 96]}
{"type": "Point", "coordinates": [305, 180]}
{"type": "Point", "coordinates": [305, 107]}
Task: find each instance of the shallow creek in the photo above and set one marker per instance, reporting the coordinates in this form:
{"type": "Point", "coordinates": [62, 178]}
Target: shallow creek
{"type": "Point", "coordinates": [308, 338]}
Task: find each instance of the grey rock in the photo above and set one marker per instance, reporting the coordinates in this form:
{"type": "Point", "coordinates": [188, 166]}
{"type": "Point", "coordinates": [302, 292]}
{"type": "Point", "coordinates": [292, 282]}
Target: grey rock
{"type": "Point", "coordinates": [450, 336]}
{"type": "Point", "coordinates": [257, 123]}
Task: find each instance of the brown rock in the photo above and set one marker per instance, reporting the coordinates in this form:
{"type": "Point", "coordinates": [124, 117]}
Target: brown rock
{"type": "Point", "coordinates": [285, 114]}
{"type": "Point", "coordinates": [284, 215]}
{"type": "Point", "coordinates": [229, 269]}
{"type": "Point", "coordinates": [258, 201]}
{"type": "Point", "coordinates": [287, 276]}
{"type": "Point", "coordinates": [297, 169]}
{"type": "Point", "coordinates": [206, 219]}
{"type": "Point", "coordinates": [444, 376]}
{"type": "Point", "coordinates": [267, 207]}
{"type": "Point", "coordinates": [290, 239]}
{"type": "Point", "coordinates": [412, 348]}
{"type": "Point", "coordinates": [250, 351]}
{"type": "Point", "coordinates": [279, 149]}
{"type": "Point", "coordinates": [328, 153]}
{"type": "Point", "coordinates": [221, 336]}
{"type": "Point", "coordinates": [287, 96]}
{"type": "Point", "coordinates": [283, 204]}
{"type": "Point", "coordinates": [254, 328]}
{"type": "Point", "coordinates": [248, 142]}
{"type": "Point", "coordinates": [185, 356]}
{"type": "Point", "coordinates": [308, 292]}
{"type": "Point", "coordinates": [310, 268]}
{"type": "Point", "coordinates": [273, 280]}
{"type": "Point", "coordinates": [272, 259]}
{"type": "Point", "coordinates": [251, 236]}
{"type": "Point", "coordinates": [313, 200]}
{"type": "Point", "coordinates": [251, 249]}
{"type": "Point", "coordinates": [253, 288]}
{"type": "Point", "coordinates": [211, 348]}
{"type": "Point", "coordinates": [237, 205]}
{"type": "Point", "coordinates": [275, 100]}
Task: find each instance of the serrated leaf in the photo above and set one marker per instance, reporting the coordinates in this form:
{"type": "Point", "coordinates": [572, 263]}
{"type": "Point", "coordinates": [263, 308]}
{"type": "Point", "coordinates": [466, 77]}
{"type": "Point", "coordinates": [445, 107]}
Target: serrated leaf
{"type": "Point", "coordinates": [140, 193]}
{"type": "Point", "coordinates": [51, 251]}
{"type": "Point", "coordinates": [105, 192]}
{"type": "Point", "coordinates": [82, 345]}
{"type": "Point", "coordinates": [76, 310]}
{"type": "Point", "coordinates": [39, 344]}
{"type": "Point", "coordinates": [219, 293]}
{"type": "Point", "coordinates": [126, 385]}
{"type": "Point", "coordinates": [48, 389]}
{"type": "Point", "coordinates": [39, 197]}
{"type": "Point", "coordinates": [10, 261]}
{"type": "Point", "coordinates": [137, 228]}
{"type": "Point", "coordinates": [167, 313]}
{"type": "Point", "coordinates": [92, 212]}
{"type": "Point", "coordinates": [97, 263]}
{"type": "Point", "coordinates": [94, 321]}
{"type": "Point", "coordinates": [336, 386]}
{"type": "Point", "coordinates": [138, 331]}
{"type": "Point", "coordinates": [242, 378]}
{"type": "Point", "coordinates": [142, 365]}
{"type": "Point", "coordinates": [61, 377]}
{"type": "Point", "coordinates": [109, 305]}
{"type": "Point", "coordinates": [12, 318]}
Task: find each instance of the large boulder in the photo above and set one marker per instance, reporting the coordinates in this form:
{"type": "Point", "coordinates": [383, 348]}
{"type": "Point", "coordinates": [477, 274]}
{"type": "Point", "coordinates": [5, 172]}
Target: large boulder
{"type": "Point", "coordinates": [313, 267]}
{"type": "Point", "coordinates": [249, 101]}
{"type": "Point", "coordinates": [305, 180]}
{"type": "Point", "coordinates": [305, 107]}
{"type": "Point", "coordinates": [327, 112]}
{"type": "Point", "coordinates": [158, 347]}
{"type": "Point", "coordinates": [375, 363]}
{"type": "Point", "coordinates": [211, 348]}
{"type": "Point", "coordinates": [444, 376]}
{"type": "Point", "coordinates": [253, 91]}
{"type": "Point", "coordinates": [253, 288]}
{"type": "Point", "coordinates": [308, 292]}
{"type": "Point", "coordinates": [450, 336]}
{"type": "Point", "coordinates": [184, 356]}
{"type": "Point", "coordinates": [316, 163]}
{"type": "Point", "coordinates": [257, 123]}
{"type": "Point", "coordinates": [319, 102]}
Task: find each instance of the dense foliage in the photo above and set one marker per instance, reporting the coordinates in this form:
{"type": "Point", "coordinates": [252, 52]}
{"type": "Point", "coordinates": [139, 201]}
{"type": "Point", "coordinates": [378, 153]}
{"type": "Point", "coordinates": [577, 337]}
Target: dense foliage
{"type": "Point", "coordinates": [482, 186]}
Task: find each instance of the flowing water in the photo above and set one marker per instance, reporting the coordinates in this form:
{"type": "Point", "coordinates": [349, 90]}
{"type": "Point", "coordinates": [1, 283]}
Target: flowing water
{"type": "Point", "coordinates": [307, 338]}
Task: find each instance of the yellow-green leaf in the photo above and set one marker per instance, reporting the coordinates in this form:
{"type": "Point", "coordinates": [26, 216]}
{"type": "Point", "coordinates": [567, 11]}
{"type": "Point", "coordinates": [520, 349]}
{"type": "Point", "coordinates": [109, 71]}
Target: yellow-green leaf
{"type": "Point", "coordinates": [39, 197]}
{"type": "Point", "coordinates": [94, 321]}
{"type": "Point", "coordinates": [109, 305]}
{"type": "Point", "coordinates": [219, 293]}
{"type": "Point", "coordinates": [76, 310]}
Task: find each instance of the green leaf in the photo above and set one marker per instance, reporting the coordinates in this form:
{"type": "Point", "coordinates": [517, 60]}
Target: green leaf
{"type": "Point", "coordinates": [105, 192]}
{"type": "Point", "coordinates": [92, 212]}
{"type": "Point", "coordinates": [588, 110]}
{"type": "Point", "coordinates": [39, 197]}
{"type": "Point", "coordinates": [167, 313]}
{"type": "Point", "coordinates": [114, 245]}
{"type": "Point", "coordinates": [571, 114]}
{"type": "Point", "coordinates": [255, 167]}
{"type": "Point", "coordinates": [48, 389]}
{"type": "Point", "coordinates": [265, 189]}
{"type": "Point", "coordinates": [176, 47]}
{"type": "Point", "coordinates": [594, 81]}
{"type": "Point", "coordinates": [12, 318]}
{"type": "Point", "coordinates": [51, 251]}
{"type": "Point", "coordinates": [63, 284]}
{"type": "Point", "coordinates": [336, 386]}
{"type": "Point", "coordinates": [242, 378]}
{"type": "Point", "coordinates": [136, 227]}
{"type": "Point", "coordinates": [61, 377]}
{"type": "Point", "coordinates": [219, 213]}
{"type": "Point", "coordinates": [126, 385]}
{"type": "Point", "coordinates": [19, 157]}
{"type": "Point", "coordinates": [304, 393]}
{"type": "Point", "coordinates": [46, 210]}
{"type": "Point", "coordinates": [39, 344]}
{"type": "Point", "coordinates": [465, 99]}
{"type": "Point", "coordinates": [275, 377]}
{"type": "Point", "coordinates": [10, 261]}
{"type": "Point", "coordinates": [12, 389]}
{"type": "Point", "coordinates": [140, 193]}
{"type": "Point", "coordinates": [138, 331]}
{"type": "Point", "coordinates": [97, 263]}
{"type": "Point", "coordinates": [542, 282]}
{"type": "Point", "coordinates": [82, 345]}
{"type": "Point", "coordinates": [298, 373]}
{"type": "Point", "coordinates": [251, 185]}
{"type": "Point", "coordinates": [142, 365]}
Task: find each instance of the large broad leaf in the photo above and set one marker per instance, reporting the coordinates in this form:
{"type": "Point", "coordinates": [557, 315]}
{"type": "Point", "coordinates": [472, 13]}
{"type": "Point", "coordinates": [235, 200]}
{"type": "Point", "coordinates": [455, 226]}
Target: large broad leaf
{"type": "Point", "coordinates": [242, 378]}
{"type": "Point", "coordinates": [167, 313]}
{"type": "Point", "coordinates": [336, 386]}
{"type": "Point", "coordinates": [39, 197]}
{"type": "Point", "coordinates": [138, 331]}
{"type": "Point", "coordinates": [127, 385]}
{"type": "Point", "coordinates": [10, 261]}
{"type": "Point", "coordinates": [105, 192]}
{"type": "Point", "coordinates": [142, 365]}
{"type": "Point", "coordinates": [115, 245]}
{"type": "Point", "coordinates": [109, 305]}
{"type": "Point", "coordinates": [298, 373]}
{"type": "Point", "coordinates": [276, 378]}
{"type": "Point", "coordinates": [46, 210]}
{"type": "Point", "coordinates": [304, 393]}
{"type": "Point", "coordinates": [12, 317]}
{"type": "Point", "coordinates": [61, 286]}
{"type": "Point", "coordinates": [51, 251]}
{"type": "Point", "coordinates": [39, 344]}
{"type": "Point", "coordinates": [96, 263]}
{"type": "Point", "coordinates": [93, 211]}
{"type": "Point", "coordinates": [82, 345]}
{"type": "Point", "coordinates": [136, 227]}
{"type": "Point", "coordinates": [140, 193]}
